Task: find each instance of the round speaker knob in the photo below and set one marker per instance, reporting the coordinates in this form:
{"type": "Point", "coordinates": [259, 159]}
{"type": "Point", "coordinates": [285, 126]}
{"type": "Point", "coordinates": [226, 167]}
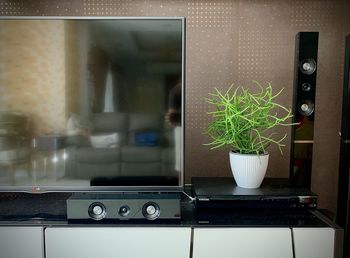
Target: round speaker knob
{"type": "Point", "coordinates": [306, 108]}
{"type": "Point", "coordinates": [97, 211]}
{"type": "Point", "coordinates": [308, 66]}
{"type": "Point", "coordinates": [151, 210]}
{"type": "Point", "coordinates": [124, 210]}
{"type": "Point", "coordinates": [306, 86]}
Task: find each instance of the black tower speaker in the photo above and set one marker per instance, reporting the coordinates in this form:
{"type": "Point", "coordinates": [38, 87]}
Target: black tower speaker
{"type": "Point", "coordinates": [343, 208]}
{"type": "Point", "coordinates": [306, 48]}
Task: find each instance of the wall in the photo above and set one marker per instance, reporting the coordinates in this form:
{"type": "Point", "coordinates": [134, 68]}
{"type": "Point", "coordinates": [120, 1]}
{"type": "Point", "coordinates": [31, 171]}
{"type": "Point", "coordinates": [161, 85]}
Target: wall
{"type": "Point", "coordinates": [25, 89]}
{"type": "Point", "coordinates": [237, 41]}
{"type": "Point", "coordinates": [72, 69]}
{"type": "Point", "coordinates": [41, 48]}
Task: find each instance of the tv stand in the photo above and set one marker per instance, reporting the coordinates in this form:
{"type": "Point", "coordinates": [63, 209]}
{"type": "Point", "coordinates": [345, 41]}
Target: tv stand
{"type": "Point", "coordinates": [249, 234]}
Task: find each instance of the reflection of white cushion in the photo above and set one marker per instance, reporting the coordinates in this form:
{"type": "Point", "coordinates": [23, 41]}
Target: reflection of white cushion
{"type": "Point", "coordinates": [77, 124]}
{"type": "Point", "coordinates": [105, 140]}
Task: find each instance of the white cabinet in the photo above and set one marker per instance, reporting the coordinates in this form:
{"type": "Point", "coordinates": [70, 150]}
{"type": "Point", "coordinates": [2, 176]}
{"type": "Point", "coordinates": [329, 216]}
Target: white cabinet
{"type": "Point", "coordinates": [21, 242]}
{"type": "Point", "coordinates": [118, 242]}
{"type": "Point", "coordinates": [166, 242]}
{"type": "Point", "coordinates": [314, 242]}
{"type": "Point", "coordinates": [242, 243]}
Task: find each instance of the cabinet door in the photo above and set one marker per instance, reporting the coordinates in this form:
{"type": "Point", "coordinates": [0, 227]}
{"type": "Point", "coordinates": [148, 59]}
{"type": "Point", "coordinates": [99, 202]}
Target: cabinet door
{"type": "Point", "coordinates": [21, 242]}
{"type": "Point", "coordinates": [313, 242]}
{"type": "Point", "coordinates": [242, 242]}
{"type": "Point", "coordinates": [118, 242]}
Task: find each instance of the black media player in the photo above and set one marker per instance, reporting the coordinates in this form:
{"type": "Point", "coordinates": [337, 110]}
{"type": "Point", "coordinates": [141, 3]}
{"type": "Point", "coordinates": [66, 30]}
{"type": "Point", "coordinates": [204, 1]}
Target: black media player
{"type": "Point", "coordinates": [274, 193]}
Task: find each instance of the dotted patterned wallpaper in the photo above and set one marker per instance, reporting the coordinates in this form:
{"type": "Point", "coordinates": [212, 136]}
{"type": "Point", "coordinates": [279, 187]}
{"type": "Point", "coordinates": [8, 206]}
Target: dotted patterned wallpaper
{"type": "Point", "coordinates": [25, 89]}
{"type": "Point", "coordinates": [238, 41]}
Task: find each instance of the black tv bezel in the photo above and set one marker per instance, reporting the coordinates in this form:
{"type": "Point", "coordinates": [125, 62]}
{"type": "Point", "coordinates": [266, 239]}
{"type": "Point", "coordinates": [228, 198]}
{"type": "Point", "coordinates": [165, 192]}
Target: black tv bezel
{"type": "Point", "coordinates": [117, 189]}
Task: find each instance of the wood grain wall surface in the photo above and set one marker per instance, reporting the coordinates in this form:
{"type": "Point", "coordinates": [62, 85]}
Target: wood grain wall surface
{"type": "Point", "coordinates": [238, 41]}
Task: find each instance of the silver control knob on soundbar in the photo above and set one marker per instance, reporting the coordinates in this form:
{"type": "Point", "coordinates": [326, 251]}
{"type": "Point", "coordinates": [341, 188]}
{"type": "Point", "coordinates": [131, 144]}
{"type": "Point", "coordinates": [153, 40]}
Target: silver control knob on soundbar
{"type": "Point", "coordinates": [97, 211]}
{"type": "Point", "coordinates": [151, 210]}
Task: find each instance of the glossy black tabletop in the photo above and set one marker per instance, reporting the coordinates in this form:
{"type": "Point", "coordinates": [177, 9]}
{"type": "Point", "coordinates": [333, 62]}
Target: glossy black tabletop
{"type": "Point", "coordinates": [50, 209]}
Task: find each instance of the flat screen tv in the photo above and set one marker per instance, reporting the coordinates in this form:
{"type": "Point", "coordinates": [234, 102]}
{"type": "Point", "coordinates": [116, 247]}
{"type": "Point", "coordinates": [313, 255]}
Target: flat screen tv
{"type": "Point", "coordinates": [91, 104]}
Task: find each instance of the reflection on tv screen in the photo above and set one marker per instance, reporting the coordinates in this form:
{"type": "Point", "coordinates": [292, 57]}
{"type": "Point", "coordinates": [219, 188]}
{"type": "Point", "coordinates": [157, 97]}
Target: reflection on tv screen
{"type": "Point", "coordinates": [90, 104]}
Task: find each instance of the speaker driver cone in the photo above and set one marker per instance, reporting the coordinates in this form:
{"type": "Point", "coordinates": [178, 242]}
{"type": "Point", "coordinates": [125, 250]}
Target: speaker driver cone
{"type": "Point", "coordinates": [308, 66]}
{"type": "Point", "coordinates": [306, 86]}
{"type": "Point", "coordinates": [97, 211]}
{"type": "Point", "coordinates": [306, 108]}
{"type": "Point", "coordinates": [151, 210]}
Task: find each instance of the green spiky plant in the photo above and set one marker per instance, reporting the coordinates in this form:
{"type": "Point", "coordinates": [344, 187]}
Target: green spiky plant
{"type": "Point", "coordinates": [244, 121]}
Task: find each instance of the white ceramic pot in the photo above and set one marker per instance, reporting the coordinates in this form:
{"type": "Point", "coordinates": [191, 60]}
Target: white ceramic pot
{"type": "Point", "coordinates": [248, 169]}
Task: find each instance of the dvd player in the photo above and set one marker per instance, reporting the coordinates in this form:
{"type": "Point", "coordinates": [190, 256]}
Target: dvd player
{"type": "Point", "coordinates": [222, 192]}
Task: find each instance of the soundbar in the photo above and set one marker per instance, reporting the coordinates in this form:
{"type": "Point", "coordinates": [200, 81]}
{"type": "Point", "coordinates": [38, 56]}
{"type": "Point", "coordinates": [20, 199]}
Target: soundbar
{"type": "Point", "coordinates": [123, 206]}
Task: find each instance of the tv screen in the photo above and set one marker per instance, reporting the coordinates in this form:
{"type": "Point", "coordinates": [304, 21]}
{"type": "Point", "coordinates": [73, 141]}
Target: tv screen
{"type": "Point", "coordinates": [91, 104]}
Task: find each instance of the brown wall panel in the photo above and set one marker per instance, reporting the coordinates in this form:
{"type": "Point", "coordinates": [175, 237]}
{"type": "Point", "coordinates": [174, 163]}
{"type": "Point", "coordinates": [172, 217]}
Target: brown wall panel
{"type": "Point", "coordinates": [238, 41]}
{"type": "Point", "coordinates": [24, 86]}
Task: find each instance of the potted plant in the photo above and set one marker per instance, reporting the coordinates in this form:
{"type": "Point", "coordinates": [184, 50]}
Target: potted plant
{"type": "Point", "coordinates": [245, 122]}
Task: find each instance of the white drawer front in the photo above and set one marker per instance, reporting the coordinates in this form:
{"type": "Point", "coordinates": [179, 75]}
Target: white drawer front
{"type": "Point", "coordinates": [242, 243]}
{"type": "Point", "coordinates": [21, 242]}
{"type": "Point", "coordinates": [313, 242]}
{"type": "Point", "coordinates": [118, 242]}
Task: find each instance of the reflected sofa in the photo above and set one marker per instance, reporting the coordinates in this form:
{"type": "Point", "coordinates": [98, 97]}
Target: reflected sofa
{"type": "Point", "coordinates": [131, 154]}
